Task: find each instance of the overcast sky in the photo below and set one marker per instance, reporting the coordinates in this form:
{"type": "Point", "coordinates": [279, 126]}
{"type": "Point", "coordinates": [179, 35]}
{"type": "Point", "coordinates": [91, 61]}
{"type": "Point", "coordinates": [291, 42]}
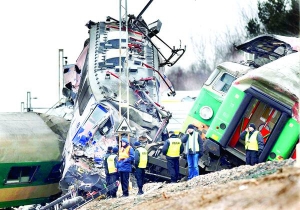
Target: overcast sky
{"type": "Point", "coordinates": [34, 30]}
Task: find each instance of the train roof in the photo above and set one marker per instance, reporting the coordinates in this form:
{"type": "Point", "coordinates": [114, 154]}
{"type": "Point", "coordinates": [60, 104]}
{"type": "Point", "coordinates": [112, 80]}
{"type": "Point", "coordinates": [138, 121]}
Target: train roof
{"type": "Point", "coordinates": [25, 137]}
{"type": "Point", "coordinates": [235, 68]}
{"type": "Point", "coordinates": [270, 46]}
{"type": "Point", "coordinates": [280, 76]}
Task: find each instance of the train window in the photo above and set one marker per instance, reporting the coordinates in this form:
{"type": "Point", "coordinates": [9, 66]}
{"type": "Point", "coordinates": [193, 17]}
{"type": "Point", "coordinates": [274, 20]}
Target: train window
{"type": "Point", "coordinates": [55, 174]}
{"type": "Point", "coordinates": [224, 83]}
{"type": "Point", "coordinates": [114, 62]}
{"type": "Point", "coordinates": [84, 97]}
{"type": "Point", "coordinates": [22, 174]}
{"type": "Point", "coordinates": [212, 77]}
{"type": "Point", "coordinates": [115, 43]}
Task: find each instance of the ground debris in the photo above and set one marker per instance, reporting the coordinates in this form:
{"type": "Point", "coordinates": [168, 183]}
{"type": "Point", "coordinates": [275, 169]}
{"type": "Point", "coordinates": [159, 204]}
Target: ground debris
{"type": "Point", "coordinates": [269, 185]}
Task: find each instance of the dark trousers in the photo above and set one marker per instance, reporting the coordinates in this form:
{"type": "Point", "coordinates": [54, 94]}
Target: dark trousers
{"type": "Point", "coordinates": [107, 183]}
{"type": "Point", "coordinates": [251, 157]}
{"type": "Point", "coordinates": [111, 184]}
{"type": "Point", "coordinates": [140, 176]}
{"type": "Point", "coordinates": [173, 167]}
{"type": "Point", "coordinates": [124, 178]}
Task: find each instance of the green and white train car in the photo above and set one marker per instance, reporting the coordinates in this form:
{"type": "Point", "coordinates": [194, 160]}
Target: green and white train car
{"type": "Point", "coordinates": [267, 97]}
{"type": "Point", "coordinates": [30, 160]}
{"type": "Point", "coordinates": [257, 52]}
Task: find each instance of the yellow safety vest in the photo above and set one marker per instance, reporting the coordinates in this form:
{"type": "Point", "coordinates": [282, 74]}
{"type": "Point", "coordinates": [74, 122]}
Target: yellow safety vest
{"type": "Point", "coordinates": [174, 148]}
{"type": "Point", "coordinates": [111, 164]}
{"type": "Point", "coordinates": [143, 157]}
{"type": "Point", "coordinates": [193, 143]}
{"type": "Point", "coordinates": [251, 144]}
{"type": "Point", "coordinates": [124, 153]}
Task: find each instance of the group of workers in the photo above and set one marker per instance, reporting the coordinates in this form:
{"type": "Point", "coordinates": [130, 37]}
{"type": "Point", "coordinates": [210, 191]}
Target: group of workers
{"type": "Point", "coordinates": [173, 148]}
{"type": "Point", "coordinates": [119, 164]}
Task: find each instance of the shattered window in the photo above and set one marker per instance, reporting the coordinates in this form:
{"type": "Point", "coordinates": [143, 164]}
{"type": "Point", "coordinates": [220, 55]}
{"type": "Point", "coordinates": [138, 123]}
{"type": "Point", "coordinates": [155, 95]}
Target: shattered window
{"type": "Point", "coordinates": [55, 173]}
{"type": "Point", "coordinates": [22, 174]}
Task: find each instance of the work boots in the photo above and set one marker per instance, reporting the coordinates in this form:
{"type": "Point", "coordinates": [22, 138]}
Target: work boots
{"type": "Point", "coordinates": [140, 192]}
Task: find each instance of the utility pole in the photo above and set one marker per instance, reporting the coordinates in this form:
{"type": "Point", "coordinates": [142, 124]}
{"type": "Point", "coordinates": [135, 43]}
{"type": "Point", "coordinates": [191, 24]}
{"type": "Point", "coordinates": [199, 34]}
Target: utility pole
{"type": "Point", "coordinates": [22, 106]}
{"type": "Point", "coordinates": [123, 67]}
{"type": "Point", "coordinates": [60, 71]}
{"type": "Point", "coordinates": [29, 108]}
{"type": "Point", "coordinates": [62, 60]}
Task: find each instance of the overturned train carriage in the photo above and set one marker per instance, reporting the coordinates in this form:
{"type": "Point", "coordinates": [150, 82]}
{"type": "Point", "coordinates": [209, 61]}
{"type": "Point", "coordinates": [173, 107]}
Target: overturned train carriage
{"type": "Point", "coordinates": [268, 97]}
{"type": "Point", "coordinates": [115, 89]}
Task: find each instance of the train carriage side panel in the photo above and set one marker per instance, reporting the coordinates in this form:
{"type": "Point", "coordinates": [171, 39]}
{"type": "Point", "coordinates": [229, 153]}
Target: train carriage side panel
{"type": "Point", "coordinates": [197, 116]}
{"type": "Point", "coordinates": [28, 183]}
{"type": "Point", "coordinates": [286, 141]}
{"type": "Point", "coordinates": [225, 114]}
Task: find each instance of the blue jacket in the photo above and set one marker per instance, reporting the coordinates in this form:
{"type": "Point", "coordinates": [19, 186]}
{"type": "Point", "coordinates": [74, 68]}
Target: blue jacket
{"type": "Point", "coordinates": [125, 165]}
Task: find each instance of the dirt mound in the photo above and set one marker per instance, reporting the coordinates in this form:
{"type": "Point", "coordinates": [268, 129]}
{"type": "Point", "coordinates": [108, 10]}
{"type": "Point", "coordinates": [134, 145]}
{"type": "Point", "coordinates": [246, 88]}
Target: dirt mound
{"type": "Point", "coordinates": [270, 185]}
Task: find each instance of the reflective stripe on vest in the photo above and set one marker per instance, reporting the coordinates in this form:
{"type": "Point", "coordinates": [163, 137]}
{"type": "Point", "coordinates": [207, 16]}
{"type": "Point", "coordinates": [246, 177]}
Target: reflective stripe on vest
{"type": "Point", "coordinates": [251, 144]}
{"type": "Point", "coordinates": [192, 143]}
{"type": "Point", "coordinates": [111, 164]}
{"type": "Point", "coordinates": [174, 148]}
{"type": "Point", "coordinates": [143, 157]}
{"type": "Point", "coordinates": [124, 153]}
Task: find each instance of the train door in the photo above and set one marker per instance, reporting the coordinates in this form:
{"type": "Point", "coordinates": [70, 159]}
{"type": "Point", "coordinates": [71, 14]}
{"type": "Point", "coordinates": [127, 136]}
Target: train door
{"type": "Point", "coordinates": [262, 115]}
{"type": "Point", "coordinates": [270, 116]}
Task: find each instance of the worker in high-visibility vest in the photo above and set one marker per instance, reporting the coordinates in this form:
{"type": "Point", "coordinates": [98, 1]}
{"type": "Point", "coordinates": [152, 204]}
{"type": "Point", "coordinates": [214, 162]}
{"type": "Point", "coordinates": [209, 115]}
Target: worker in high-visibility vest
{"type": "Point", "coordinates": [172, 149]}
{"type": "Point", "coordinates": [108, 153]}
{"type": "Point", "coordinates": [254, 144]}
{"type": "Point", "coordinates": [140, 163]}
{"type": "Point", "coordinates": [124, 165]}
{"type": "Point", "coordinates": [193, 149]}
{"type": "Point", "coordinates": [112, 175]}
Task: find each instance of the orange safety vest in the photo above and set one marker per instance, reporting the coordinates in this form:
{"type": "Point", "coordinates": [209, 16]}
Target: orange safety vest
{"type": "Point", "coordinates": [251, 143]}
{"type": "Point", "coordinates": [124, 153]}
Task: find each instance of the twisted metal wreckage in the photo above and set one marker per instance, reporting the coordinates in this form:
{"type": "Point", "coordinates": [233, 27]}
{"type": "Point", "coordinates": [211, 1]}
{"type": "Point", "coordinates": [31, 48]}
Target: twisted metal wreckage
{"type": "Point", "coordinates": [113, 90]}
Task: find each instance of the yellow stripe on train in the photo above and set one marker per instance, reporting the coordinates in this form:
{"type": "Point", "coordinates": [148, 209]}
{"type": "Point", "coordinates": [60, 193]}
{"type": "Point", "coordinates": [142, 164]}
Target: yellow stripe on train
{"type": "Point", "coordinates": [30, 192]}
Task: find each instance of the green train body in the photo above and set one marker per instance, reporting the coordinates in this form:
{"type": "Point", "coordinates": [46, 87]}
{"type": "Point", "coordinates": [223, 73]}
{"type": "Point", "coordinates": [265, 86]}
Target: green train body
{"type": "Point", "coordinates": [257, 52]}
{"type": "Point", "coordinates": [212, 94]}
{"type": "Point", "coordinates": [269, 98]}
{"type": "Point", "coordinates": [226, 112]}
{"type": "Point", "coordinates": [40, 187]}
{"type": "Point", "coordinates": [285, 144]}
{"type": "Point", "coordinates": [30, 160]}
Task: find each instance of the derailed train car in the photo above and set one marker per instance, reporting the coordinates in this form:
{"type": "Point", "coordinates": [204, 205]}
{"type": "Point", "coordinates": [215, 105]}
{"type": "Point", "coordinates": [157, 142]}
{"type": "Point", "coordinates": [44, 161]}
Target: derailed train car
{"type": "Point", "coordinates": [267, 97]}
{"type": "Point", "coordinates": [258, 51]}
{"type": "Point", "coordinates": [113, 90]}
{"type": "Point", "coordinates": [30, 160]}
